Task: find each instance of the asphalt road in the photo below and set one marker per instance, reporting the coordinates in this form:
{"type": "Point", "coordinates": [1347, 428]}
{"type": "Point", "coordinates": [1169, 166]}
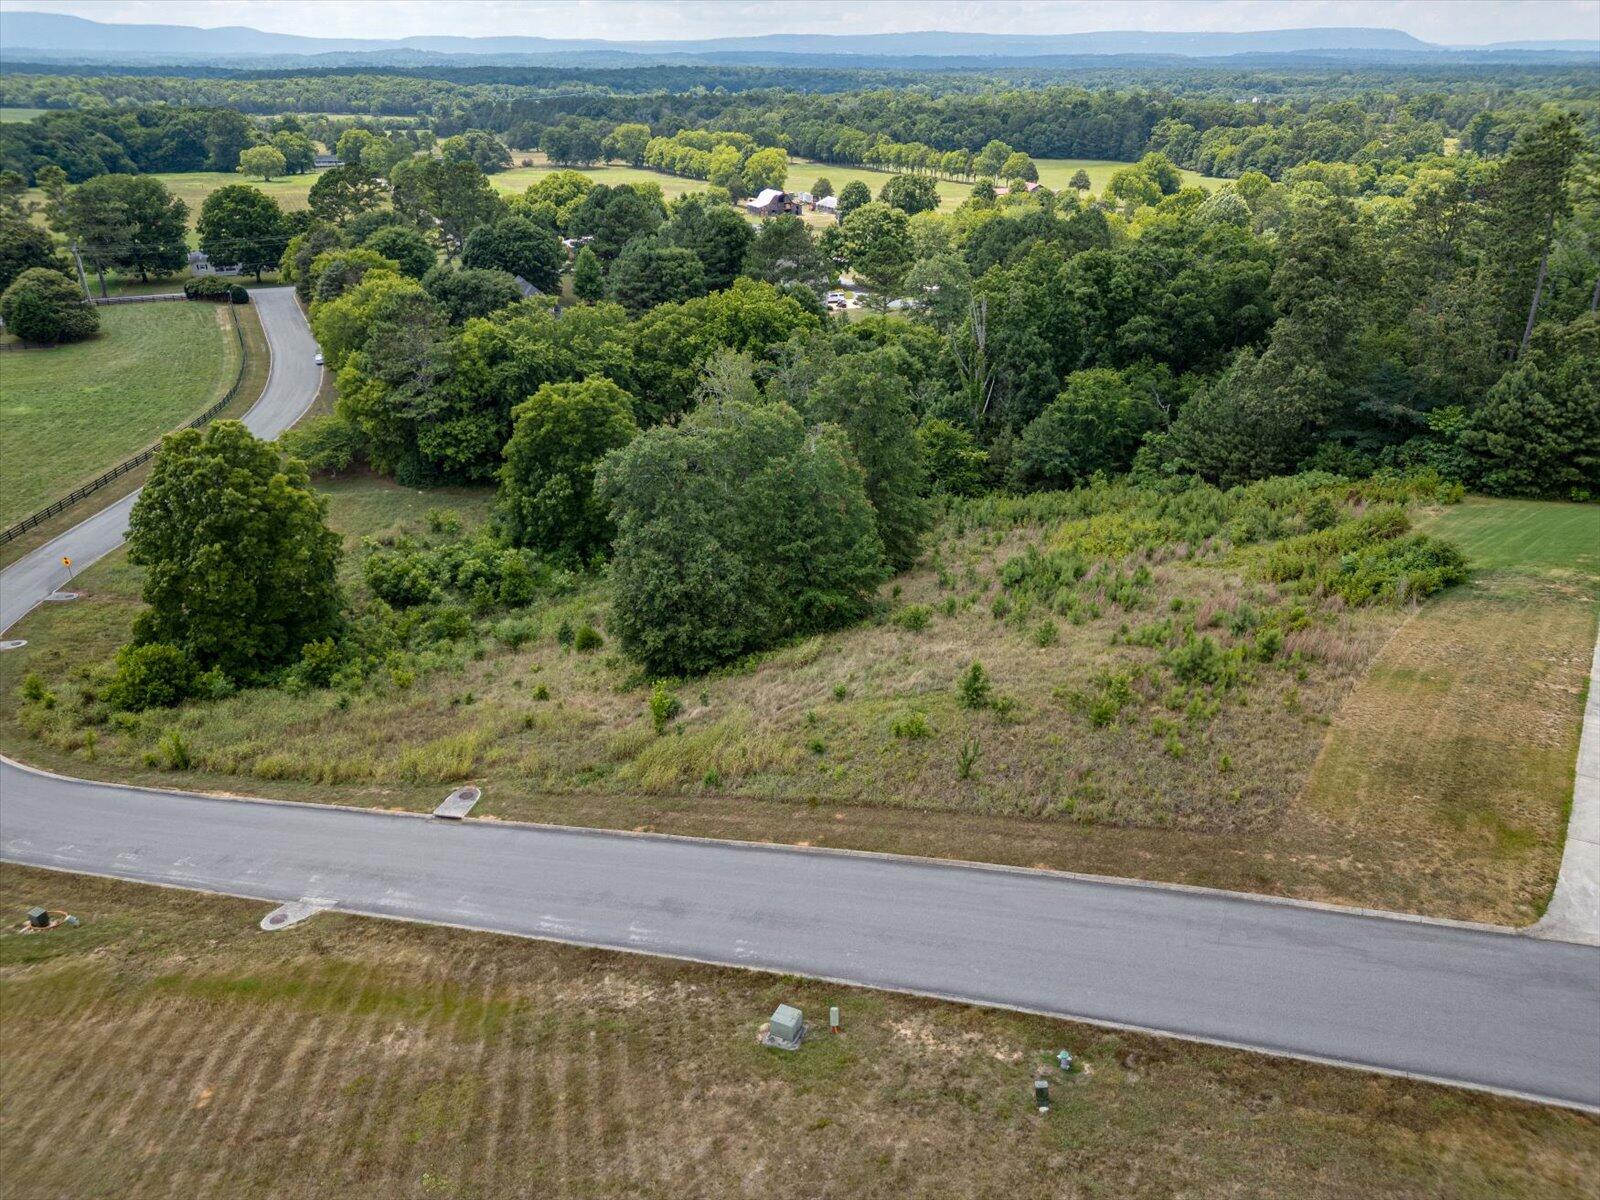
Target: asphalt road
{"type": "Point", "coordinates": [1462, 1005]}
{"type": "Point", "coordinates": [291, 388]}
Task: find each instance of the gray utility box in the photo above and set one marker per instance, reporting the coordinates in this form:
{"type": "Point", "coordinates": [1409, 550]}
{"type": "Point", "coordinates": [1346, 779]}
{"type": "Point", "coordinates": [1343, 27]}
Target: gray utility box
{"type": "Point", "coordinates": [786, 1029]}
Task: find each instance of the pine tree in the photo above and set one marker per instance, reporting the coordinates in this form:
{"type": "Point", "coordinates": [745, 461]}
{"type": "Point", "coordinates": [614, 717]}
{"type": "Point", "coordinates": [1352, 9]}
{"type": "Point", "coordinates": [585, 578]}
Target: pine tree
{"type": "Point", "coordinates": [588, 277]}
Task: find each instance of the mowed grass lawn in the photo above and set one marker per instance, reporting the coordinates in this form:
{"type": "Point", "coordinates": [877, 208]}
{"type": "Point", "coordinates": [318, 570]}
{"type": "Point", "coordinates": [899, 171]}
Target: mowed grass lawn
{"type": "Point", "coordinates": [192, 187]}
{"type": "Point", "coordinates": [169, 1047]}
{"type": "Point", "coordinates": [69, 413]}
{"type": "Point", "coordinates": [1453, 760]}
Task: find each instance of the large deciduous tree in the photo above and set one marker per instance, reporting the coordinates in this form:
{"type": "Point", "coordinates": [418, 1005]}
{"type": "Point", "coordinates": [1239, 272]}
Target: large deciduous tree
{"type": "Point", "coordinates": [343, 192]}
{"type": "Point", "coordinates": [867, 397]}
{"type": "Point", "coordinates": [263, 162]}
{"type": "Point", "coordinates": [239, 562]}
{"type": "Point", "coordinates": [23, 245]}
{"type": "Point", "coordinates": [414, 253]}
{"type": "Point", "coordinates": [559, 435]}
{"type": "Point", "coordinates": [520, 247]}
{"type": "Point", "coordinates": [471, 291]}
{"type": "Point", "coordinates": [910, 193]}
{"type": "Point", "coordinates": [1096, 424]}
{"type": "Point", "coordinates": [877, 244]}
{"type": "Point", "coordinates": [241, 225]}
{"type": "Point", "coordinates": [736, 527]}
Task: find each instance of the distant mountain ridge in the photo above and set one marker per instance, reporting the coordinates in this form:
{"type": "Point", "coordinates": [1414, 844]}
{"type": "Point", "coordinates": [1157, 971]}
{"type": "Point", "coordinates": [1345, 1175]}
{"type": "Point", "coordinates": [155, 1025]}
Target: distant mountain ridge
{"type": "Point", "coordinates": [55, 35]}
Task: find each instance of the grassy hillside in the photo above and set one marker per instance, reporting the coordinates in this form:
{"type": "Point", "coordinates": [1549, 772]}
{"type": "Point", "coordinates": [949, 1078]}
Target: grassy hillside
{"type": "Point", "coordinates": [71, 412]}
{"type": "Point", "coordinates": [181, 1051]}
{"type": "Point", "coordinates": [1092, 754]}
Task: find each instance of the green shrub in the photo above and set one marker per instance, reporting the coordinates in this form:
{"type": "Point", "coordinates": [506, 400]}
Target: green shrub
{"type": "Point", "coordinates": [449, 623]}
{"type": "Point", "coordinates": [1046, 634]}
{"type": "Point", "coordinates": [587, 638]}
{"type": "Point", "coordinates": [664, 705]}
{"type": "Point", "coordinates": [444, 521]}
{"type": "Point", "coordinates": [973, 689]}
{"type": "Point", "coordinates": [32, 689]}
{"type": "Point", "coordinates": [318, 662]}
{"type": "Point", "coordinates": [1199, 660]}
{"type": "Point", "coordinates": [913, 617]}
{"type": "Point", "coordinates": [1371, 560]}
{"type": "Point", "coordinates": [967, 758]}
{"type": "Point", "coordinates": [1108, 693]}
{"type": "Point", "coordinates": [516, 632]}
{"type": "Point", "coordinates": [45, 306]}
{"type": "Point", "coordinates": [326, 444]}
{"type": "Point", "coordinates": [174, 751]}
{"type": "Point", "coordinates": [152, 675]}
{"type": "Point", "coordinates": [215, 287]}
{"type": "Point", "coordinates": [911, 725]}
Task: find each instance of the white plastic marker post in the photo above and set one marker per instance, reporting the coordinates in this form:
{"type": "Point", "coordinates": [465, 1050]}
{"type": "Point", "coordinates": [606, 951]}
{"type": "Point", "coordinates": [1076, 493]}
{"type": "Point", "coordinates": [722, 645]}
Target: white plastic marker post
{"type": "Point", "coordinates": [833, 1018]}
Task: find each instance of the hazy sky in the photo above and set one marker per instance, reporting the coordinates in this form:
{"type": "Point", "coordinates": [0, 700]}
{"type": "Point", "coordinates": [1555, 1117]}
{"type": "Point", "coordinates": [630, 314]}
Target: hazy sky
{"type": "Point", "coordinates": [1456, 22]}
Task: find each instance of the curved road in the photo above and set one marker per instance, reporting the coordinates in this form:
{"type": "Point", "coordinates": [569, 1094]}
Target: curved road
{"type": "Point", "coordinates": [1472, 1006]}
{"type": "Point", "coordinates": [291, 387]}
{"type": "Point", "coordinates": [1463, 1005]}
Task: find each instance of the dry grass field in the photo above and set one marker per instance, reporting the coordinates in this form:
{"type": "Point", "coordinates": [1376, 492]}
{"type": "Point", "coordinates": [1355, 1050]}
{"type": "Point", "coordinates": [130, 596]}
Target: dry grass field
{"type": "Point", "coordinates": [169, 1048]}
{"type": "Point", "coordinates": [866, 715]}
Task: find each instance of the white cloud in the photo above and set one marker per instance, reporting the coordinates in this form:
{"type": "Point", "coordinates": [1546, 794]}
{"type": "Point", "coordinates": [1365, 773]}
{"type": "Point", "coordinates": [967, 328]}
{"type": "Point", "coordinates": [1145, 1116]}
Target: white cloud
{"type": "Point", "coordinates": [1456, 22]}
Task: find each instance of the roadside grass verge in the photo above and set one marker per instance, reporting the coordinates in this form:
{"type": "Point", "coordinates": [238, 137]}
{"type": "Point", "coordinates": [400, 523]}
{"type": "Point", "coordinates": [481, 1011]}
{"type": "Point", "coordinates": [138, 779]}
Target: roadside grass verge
{"type": "Point", "coordinates": [181, 1051]}
{"type": "Point", "coordinates": [70, 412]}
{"type": "Point", "coordinates": [1452, 761]}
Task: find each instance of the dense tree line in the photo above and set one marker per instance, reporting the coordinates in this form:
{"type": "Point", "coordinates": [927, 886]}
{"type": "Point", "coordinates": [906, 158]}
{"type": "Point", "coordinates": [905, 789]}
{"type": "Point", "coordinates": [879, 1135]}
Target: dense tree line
{"type": "Point", "coordinates": [1213, 120]}
{"type": "Point", "coordinates": [752, 467]}
{"type": "Point", "coordinates": [86, 143]}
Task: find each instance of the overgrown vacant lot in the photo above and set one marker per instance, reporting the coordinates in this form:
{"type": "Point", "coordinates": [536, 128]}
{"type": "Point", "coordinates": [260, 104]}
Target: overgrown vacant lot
{"type": "Point", "coordinates": [1149, 712]}
{"type": "Point", "coordinates": [68, 413]}
{"type": "Point", "coordinates": [181, 1051]}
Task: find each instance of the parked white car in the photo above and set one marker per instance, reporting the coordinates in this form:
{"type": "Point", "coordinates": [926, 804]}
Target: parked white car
{"type": "Point", "coordinates": [318, 359]}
